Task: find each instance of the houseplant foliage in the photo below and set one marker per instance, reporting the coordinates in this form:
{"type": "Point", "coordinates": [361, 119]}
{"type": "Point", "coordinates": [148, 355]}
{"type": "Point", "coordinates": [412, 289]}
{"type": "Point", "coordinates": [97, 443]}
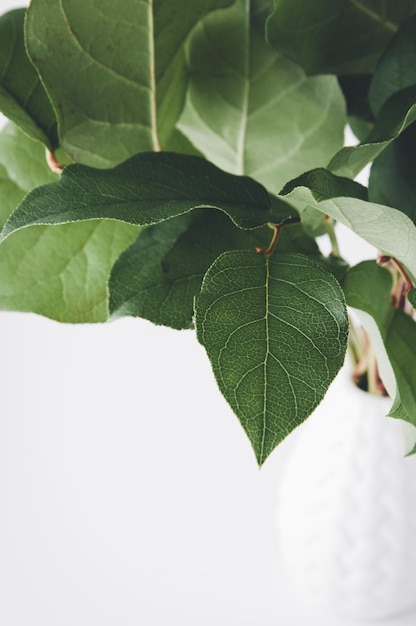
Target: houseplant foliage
{"type": "Point", "coordinates": [194, 154]}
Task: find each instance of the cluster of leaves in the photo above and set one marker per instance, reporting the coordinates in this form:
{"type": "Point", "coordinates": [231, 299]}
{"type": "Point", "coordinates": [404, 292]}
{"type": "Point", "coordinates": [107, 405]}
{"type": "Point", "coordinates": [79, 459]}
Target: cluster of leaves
{"type": "Point", "coordinates": [200, 152]}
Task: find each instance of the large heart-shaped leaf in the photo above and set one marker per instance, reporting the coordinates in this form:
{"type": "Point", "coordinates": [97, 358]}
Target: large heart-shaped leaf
{"type": "Point", "coordinates": [275, 329]}
{"type": "Point", "coordinates": [23, 98]}
{"type": "Point", "coordinates": [57, 271]}
{"type": "Point", "coordinates": [98, 63]}
{"type": "Point", "coordinates": [147, 189]}
{"type": "Point", "coordinates": [335, 36]}
{"type": "Point", "coordinates": [251, 111]}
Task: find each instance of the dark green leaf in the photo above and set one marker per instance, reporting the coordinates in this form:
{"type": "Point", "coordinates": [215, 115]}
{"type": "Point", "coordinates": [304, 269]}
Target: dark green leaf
{"type": "Point", "coordinates": [392, 178]}
{"type": "Point", "coordinates": [396, 69]}
{"type": "Point", "coordinates": [147, 189]}
{"type": "Point", "coordinates": [275, 329]}
{"type": "Point", "coordinates": [401, 348]}
{"type": "Point", "coordinates": [251, 111]}
{"type": "Point", "coordinates": [159, 276]}
{"type": "Point", "coordinates": [411, 296]}
{"type": "Point", "coordinates": [22, 96]}
{"type": "Point", "coordinates": [395, 115]}
{"type": "Point", "coordinates": [335, 36]}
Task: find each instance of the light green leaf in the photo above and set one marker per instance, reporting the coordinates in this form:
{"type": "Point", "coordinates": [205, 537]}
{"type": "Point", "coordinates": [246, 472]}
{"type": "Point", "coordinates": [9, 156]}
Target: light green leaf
{"type": "Point", "coordinates": [275, 329]}
{"type": "Point", "coordinates": [57, 271]}
{"type": "Point", "coordinates": [62, 271]}
{"type": "Point", "coordinates": [335, 36]}
{"type": "Point", "coordinates": [147, 189]}
{"type": "Point", "coordinates": [101, 62]}
{"type": "Point", "coordinates": [173, 21]}
{"type": "Point", "coordinates": [251, 111]}
{"type": "Point", "coordinates": [389, 230]}
{"type": "Point", "coordinates": [22, 96]}
{"type": "Point", "coordinates": [396, 69]}
{"type": "Point", "coordinates": [395, 115]}
{"type": "Point", "coordinates": [159, 276]}
{"type": "Point", "coordinates": [22, 167]}
{"type": "Point", "coordinates": [392, 333]}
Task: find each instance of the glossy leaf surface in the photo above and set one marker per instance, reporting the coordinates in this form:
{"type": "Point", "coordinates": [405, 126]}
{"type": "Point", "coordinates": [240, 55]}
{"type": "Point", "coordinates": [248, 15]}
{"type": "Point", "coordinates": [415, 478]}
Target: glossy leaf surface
{"type": "Point", "coordinates": [251, 111]}
{"type": "Point", "coordinates": [275, 329]}
{"type": "Point", "coordinates": [147, 189]}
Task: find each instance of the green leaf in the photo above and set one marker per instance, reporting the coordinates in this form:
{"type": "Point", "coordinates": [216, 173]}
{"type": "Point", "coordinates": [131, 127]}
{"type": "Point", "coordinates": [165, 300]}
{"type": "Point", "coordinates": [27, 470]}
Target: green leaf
{"type": "Point", "coordinates": [392, 333]}
{"type": "Point", "coordinates": [392, 178]}
{"type": "Point", "coordinates": [411, 296]}
{"type": "Point", "coordinates": [62, 271]}
{"type": "Point", "coordinates": [251, 111]}
{"type": "Point", "coordinates": [173, 21]}
{"type": "Point", "coordinates": [147, 189]}
{"type": "Point", "coordinates": [159, 276]}
{"type": "Point", "coordinates": [88, 58]}
{"type": "Point", "coordinates": [313, 187]}
{"type": "Point", "coordinates": [101, 64]}
{"type": "Point", "coordinates": [57, 271]}
{"type": "Point", "coordinates": [275, 329]}
{"type": "Point", "coordinates": [22, 167]}
{"type": "Point", "coordinates": [389, 230]}
{"type": "Point", "coordinates": [22, 96]}
{"type": "Point", "coordinates": [396, 69]}
{"type": "Point", "coordinates": [335, 36]}
{"type": "Point", "coordinates": [396, 114]}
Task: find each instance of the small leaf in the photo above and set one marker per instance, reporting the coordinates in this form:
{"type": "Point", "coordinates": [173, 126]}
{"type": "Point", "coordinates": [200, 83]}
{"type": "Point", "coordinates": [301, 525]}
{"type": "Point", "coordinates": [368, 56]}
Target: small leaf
{"type": "Point", "coordinates": [23, 98]}
{"type": "Point", "coordinates": [395, 115]}
{"type": "Point", "coordinates": [147, 189]}
{"type": "Point", "coordinates": [275, 329]}
{"type": "Point", "coordinates": [411, 296]}
{"type": "Point", "coordinates": [396, 69]}
{"type": "Point", "coordinates": [251, 111]}
{"type": "Point", "coordinates": [335, 36]}
{"type": "Point", "coordinates": [401, 348]}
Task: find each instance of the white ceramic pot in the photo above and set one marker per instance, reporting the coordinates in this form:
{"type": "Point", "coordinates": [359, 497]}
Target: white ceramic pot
{"type": "Point", "coordinates": [347, 507]}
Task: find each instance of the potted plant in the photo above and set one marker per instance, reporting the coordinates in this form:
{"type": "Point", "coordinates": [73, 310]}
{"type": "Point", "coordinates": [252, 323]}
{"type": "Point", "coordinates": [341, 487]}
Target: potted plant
{"type": "Point", "coordinates": [195, 162]}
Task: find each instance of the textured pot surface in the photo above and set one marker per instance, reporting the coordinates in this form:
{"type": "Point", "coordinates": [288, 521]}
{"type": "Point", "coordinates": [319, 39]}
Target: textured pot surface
{"type": "Point", "coordinates": [347, 507]}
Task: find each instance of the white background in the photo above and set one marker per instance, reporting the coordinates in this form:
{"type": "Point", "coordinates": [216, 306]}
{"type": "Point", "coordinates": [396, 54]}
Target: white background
{"type": "Point", "coordinates": [128, 491]}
